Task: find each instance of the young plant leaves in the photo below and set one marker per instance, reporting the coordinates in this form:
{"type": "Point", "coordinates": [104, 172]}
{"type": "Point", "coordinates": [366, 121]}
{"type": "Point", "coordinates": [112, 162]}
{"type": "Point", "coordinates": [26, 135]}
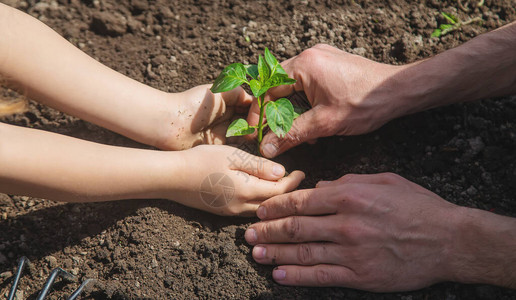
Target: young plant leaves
{"type": "Point", "coordinates": [280, 115]}
{"type": "Point", "coordinates": [263, 70]}
{"type": "Point", "coordinates": [239, 127]}
{"type": "Point", "coordinates": [451, 18]}
{"type": "Point", "coordinates": [255, 86]}
{"type": "Point", "coordinates": [252, 70]}
{"type": "Point", "coordinates": [442, 30]}
{"type": "Point", "coordinates": [231, 77]}
{"type": "Point", "coordinates": [436, 33]}
{"type": "Point", "coordinates": [276, 80]}
{"type": "Point", "coordinates": [453, 24]}
{"type": "Point", "coordinates": [273, 63]}
{"type": "Point", "coordinates": [267, 74]}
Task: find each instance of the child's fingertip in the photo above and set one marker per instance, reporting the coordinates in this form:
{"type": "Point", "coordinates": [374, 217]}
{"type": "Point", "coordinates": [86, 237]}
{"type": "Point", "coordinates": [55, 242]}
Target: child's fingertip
{"type": "Point", "coordinates": [299, 174]}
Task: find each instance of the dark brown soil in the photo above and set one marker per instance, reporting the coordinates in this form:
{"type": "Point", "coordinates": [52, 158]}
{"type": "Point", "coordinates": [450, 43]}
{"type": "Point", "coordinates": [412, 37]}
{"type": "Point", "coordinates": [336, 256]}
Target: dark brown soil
{"type": "Point", "coordinates": [161, 250]}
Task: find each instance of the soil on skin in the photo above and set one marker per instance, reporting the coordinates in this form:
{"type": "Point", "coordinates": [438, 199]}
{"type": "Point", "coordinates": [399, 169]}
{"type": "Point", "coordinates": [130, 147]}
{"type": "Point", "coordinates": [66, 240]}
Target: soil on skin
{"type": "Point", "coordinates": [157, 249]}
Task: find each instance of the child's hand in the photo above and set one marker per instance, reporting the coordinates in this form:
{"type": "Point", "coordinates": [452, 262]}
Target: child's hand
{"type": "Point", "coordinates": [197, 116]}
{"type": "Point", "coordinates": [228, 181]}
{"type": "Point", "coordinates": [44, 66]}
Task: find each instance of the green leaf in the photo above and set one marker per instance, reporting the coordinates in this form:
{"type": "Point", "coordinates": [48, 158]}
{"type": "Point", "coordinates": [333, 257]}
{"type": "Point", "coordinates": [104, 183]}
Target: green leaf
{"type": "Point", "coordinates": [280, 70]}
{"type": "Point", "coordinates": [252, 70]}
{"type": "Point", "coordinates": [436, 33]}
{"type": "Point", "coordinates": [273, 63]}
{"type": "Point", "coordinates": [451, 18]}
{"type": "Point", "coordinates": [279, 79]}
{"type": "Point", "coordinates": [263, 70]}
{"type": "Point", "coordinates": [280, 115]}
{"type": "Point", "coordinates": [239, 127]}
{"type": "Point", "coordinates": [255, 86]}
{"type": "Point", "coordinates": [262, 91]}
{"type": "Point", "coordinates": [276, 80]}
{"type": "Point", "coordinates": [231, 77]}
{"type": "Point", "coordinates": [445, 28]}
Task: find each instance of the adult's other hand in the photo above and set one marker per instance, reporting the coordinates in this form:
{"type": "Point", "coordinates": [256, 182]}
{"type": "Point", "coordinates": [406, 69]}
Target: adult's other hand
{"type": "Point", "coordinates": [380, 233]}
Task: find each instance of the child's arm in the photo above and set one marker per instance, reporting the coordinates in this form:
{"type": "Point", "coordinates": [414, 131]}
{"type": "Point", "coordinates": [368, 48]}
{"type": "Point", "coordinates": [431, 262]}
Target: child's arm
{"type": "Point", "coordinates": [38, 61]}
{"type": "Point", "coordinates": [47, 165]}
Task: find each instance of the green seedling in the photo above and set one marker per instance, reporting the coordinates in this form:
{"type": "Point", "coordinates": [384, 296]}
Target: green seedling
{"type": "Point", "coordinates": [267, 74]}
{"type": "Point", "coordinates": [454, 23]}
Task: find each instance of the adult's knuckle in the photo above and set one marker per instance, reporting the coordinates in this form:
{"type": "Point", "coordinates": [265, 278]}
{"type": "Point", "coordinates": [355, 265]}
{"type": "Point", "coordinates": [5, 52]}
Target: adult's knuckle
{"type": "Point", "coordinates": [305, 254]}
{"type": "Point", "coordinates": [390, 177]}
{"type": "Point", "coordinates": [296, 276]}
{"type": "Point", "coordinates": [347, 178]}
{"type": "Point", "coordinates": [321, 46]}
{"type": "Point", "coordinates": [323, 277]}
{"type": "Point", "coordinates": [292, 227]}
{"type": "Point", "coordinates": [265, 232]}
{"type": "Point", "coordinates": [309, 53]}
{"type": "Point", "coordinates": [292, 207]}
{"type": "Point", "coordinates": [297, 202]}
{"type": "Point", "coordinates": [312, 58]}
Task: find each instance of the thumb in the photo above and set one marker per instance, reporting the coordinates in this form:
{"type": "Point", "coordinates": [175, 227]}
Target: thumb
{"type": "Point", "coordinates": [303, 129]}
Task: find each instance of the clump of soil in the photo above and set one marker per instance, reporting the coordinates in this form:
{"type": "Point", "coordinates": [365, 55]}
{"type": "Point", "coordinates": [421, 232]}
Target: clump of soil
{"type": "Point", "coordinates": [157, 249]}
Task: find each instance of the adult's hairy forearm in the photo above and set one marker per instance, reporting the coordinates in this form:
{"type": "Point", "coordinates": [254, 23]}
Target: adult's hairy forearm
{"type": "Point", "coordinates": [484, 250]}
{"type": "Point", "coordinates": [47, 165]}
{"type": "Point", "coordinates": [481, 68]}
{"type": "Point", "coordinates": [48, 69]}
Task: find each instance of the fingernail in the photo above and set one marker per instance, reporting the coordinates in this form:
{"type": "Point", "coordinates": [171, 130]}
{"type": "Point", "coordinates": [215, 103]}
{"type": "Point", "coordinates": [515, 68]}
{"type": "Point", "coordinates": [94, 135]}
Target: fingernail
{"type": "Point", "coordinates": [250, 235]}
{"type": "Point", "coordinates": [278, 274]}
{"type": "Point", "coordinates": [278, 170]}
{"type": "Point", "coordinates": [261, 212]}
{"type": "Point", "coordinates": [269, 150]}
{"type": "Point", "coordinates": [322, 183]}
{"type": "Point", "coordinates": [259, 252]}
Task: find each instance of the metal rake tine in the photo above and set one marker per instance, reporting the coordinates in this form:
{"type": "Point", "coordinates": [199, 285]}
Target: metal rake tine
{"type": "Point", "coordinates": [23, 261]}
{"type": "Point", "coordinates": [78, 291]}
{"type": "Point", "coordinates": [50, 280]}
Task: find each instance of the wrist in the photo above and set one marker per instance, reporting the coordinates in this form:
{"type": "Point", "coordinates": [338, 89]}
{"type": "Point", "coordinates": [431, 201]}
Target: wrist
{"type": "Point", "coordinates": [182, 186]}
{"type": "Point", "coordinates": [431, 83]}
{"type": "Point", "coordinates": [169, 122]}
{"type": "Point", "coordinates": [484, 249]}
{"type": "Point", "coordinates": [167, 168]}
{"type": "Point", "coordinates": [151, 120]}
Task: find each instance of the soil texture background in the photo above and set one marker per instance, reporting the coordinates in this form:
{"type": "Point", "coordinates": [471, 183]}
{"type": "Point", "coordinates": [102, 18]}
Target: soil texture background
{"type": "Point", "coordinates": [156, 249]}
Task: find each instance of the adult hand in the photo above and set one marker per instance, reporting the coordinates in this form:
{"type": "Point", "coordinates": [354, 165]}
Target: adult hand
{"type": "Point", "coordinates": [346, 91]}
{"type": "Point", "coordinates": [228, 181]}
{"type": "Point", "coordinates": [379, 233]}
{"type": "Point", "coordinates": [197, 116]}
